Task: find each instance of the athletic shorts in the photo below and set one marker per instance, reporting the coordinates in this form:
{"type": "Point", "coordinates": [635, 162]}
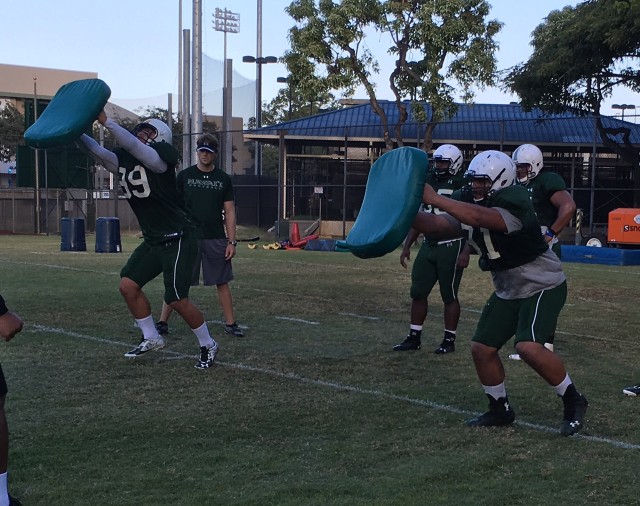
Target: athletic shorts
{"type": "Point", "coordinates": [437, 264]}
{"type": "Point", "coordinates": [173, 259]}
{"type": "Point", "coordinates": [531, 319]}
{"type": "Point", "coordinates": [216, 270]}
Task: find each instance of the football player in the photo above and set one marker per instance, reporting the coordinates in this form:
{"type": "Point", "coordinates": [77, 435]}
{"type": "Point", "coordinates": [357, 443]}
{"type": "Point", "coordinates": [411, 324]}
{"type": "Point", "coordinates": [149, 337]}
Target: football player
{"type": "Point", "coordinates": [552, 203]}
{"type": "Point", "coordinates": [441, 262]}
{"type": "Point", "coordinates": [10, 325]}
{"type": "Point", "coordinates": [145, 162]}
{"type": "Point", "coordinates": [530, 286]}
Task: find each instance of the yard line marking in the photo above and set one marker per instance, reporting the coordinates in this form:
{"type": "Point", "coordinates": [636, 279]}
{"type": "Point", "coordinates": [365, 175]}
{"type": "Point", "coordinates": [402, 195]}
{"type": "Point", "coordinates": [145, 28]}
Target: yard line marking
{"type": "Point", "coordinates": [347, 388]}
{"type": "Point", "coordinates": [62, 267]}
{"type": "Point", "coordinates": [359, 316]}
{"type": "Point", "coordinates": [298, 320]}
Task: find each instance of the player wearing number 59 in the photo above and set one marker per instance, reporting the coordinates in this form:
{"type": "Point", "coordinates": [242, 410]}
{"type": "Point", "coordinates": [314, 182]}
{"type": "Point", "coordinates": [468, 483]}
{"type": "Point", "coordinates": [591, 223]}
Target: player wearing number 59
{"type": "Point", "coordinates": [145, 161]}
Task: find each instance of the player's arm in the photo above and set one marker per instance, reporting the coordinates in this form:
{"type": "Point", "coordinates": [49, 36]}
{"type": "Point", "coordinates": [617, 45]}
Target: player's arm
{"type": "Point", "coordinates": [230, 226]}
{"type": "Point", "coordinates": [470, 214]}
{"type": "Point", "coordinates": [148, 156]}
{"type": "Point", "coordinates": [566, 207]}
{"type": "Point", "coordinates": [100, 154]}
{"type": "Point", "coordinates": [405, 254]}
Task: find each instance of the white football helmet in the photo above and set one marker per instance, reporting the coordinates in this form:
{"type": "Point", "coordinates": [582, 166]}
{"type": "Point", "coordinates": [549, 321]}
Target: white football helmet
{"type": "Point", "coordinates": [451, 154]}
{"type": "Point", "coordinates": [530, 155]}
{"type": "Point", "coordinates": [491, 171]}
{"type": "Point", "coordinates": [162, 130]}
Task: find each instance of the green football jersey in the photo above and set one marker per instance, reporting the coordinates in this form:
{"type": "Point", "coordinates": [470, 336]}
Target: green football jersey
{"type": "Point", "coordinates": [500, 251]}
{"type": "Point", "coordinates": [541, 188]}
{"type": "Point", "coordinates": [204, 194]}
{"type": "Point", "coordinates": [153, 197]}
{"type": "Point", "coordinates": [443, 186]}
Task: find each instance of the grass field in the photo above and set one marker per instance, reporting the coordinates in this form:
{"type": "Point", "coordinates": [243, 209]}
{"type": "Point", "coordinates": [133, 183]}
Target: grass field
{"type": "Point", "coordinates": [312, 407]}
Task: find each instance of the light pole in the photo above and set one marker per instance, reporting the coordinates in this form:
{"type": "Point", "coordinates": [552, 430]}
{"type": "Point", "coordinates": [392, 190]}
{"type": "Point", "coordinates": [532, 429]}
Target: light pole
{"type": "Point", "coordinates": [286, 81]}
{"type": "Point", "coordinates": [259, 61]}
{"type": "Point", "coordinates": [227, 22]}
{"type": "Point", "coordinates": [623, 107]}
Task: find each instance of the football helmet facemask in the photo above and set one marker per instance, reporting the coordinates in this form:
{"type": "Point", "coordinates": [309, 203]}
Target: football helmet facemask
{"type": "Point", "coordinates": [448, 153]}
{"type": "Point", "coordinates": [528, 160]}
{"type": "Point", "coordinates": [489, 172]}
{"type": "Point", "coordinates": [162, 132]}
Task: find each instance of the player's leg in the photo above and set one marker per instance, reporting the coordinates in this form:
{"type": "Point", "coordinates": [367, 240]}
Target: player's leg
{"type": "Point", "coordinates": [538, 319]}
{"type": "Point", "coordinates": [178, 274]}
{"type": "Point", "coordinates": [162, 325]}
{"type": "Point", "coordinates": [218, 271]}
{"type": "Point", "coordinates": [495, 327]}
{"type": "Point", "coordinates": [423, 279]}
{"type": "Point", "coordinates": [449, 277]}
{"type": "Point", "coordinates": [4, 443]}
{"type": "Point", "coordinates": [143, 266]}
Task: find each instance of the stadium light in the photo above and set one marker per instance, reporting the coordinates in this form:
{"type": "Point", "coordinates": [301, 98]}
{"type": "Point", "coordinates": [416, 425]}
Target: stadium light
{"type": "Point", "coordinates": [623, 107]}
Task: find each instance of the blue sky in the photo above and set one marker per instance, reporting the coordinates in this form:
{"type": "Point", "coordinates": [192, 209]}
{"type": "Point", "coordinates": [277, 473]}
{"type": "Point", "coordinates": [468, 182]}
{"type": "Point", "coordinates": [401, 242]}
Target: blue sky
{"type": "Point", "coordinates": [133, 46]}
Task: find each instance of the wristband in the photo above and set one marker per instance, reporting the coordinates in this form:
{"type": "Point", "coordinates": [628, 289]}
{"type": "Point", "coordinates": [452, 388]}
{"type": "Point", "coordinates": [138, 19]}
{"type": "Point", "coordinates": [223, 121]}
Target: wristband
{"type": "Point", "coordinates": [233, 243]}
{"type": "Point", "coordinates": [551, 233]}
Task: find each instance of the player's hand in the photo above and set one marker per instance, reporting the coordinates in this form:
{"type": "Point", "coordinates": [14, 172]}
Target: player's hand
{"type": "Point", "coordinates": [230, 252]}
{"type": "Point", "coordinates": [405, 255]}
{"type": "Point", "coordinates": [463, 259]}
{"type": "Point", "coordinates": [428, 194]}
{"type": "Point", "coordinates": [10, 325]}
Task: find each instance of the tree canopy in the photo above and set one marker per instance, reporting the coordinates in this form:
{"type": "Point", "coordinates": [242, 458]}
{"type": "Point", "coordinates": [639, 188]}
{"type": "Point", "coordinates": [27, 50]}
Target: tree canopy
{"type": "Point", "coordinates": [12, 129]}
{"type": "Point", "coordinates": [580, 54]}
{"type": "Point", "coordinates": [441, 48]}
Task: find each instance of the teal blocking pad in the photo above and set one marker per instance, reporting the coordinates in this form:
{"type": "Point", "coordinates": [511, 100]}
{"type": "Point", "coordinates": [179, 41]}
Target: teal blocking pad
{"type": "Point", "coordinates": [391, 201]}
{"type": "Point", "coordinates": [70, 113]}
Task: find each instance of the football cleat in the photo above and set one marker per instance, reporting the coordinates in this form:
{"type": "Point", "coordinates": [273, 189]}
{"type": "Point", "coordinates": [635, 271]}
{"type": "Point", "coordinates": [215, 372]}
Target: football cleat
{"type": "Point", "coordinates": [500, 413]}
{"type": "Point", "coordinates": [575, 408]}
{"type": "Point", "coordinates": [632, 391]}
{"type": "Point", "coordinates": [233, 330]}
{"type": "Point", "coordinates": [162, 328]}
{"type": "Point", "coordinates": [410, 343]}
{"type": "Point", "coordinates": [447, 346]}
{"type": "Point", "coordinates": [207, 356]}
{"type": "Point", "coordinates": [145, 346]}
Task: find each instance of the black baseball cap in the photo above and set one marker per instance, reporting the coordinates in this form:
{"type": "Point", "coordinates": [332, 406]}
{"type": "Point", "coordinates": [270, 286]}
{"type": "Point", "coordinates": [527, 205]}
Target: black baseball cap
{"type": "Point", "coordinates": [207, 143]}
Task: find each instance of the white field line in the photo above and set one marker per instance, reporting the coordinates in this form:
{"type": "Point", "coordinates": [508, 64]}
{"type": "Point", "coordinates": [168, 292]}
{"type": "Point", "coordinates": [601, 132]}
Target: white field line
{"type": "Point", "coordinates": [173, 355]}
{"type": "Point", "coordinates": [297, 320]}
{"type": "Point", "coordinates": [359, 316]}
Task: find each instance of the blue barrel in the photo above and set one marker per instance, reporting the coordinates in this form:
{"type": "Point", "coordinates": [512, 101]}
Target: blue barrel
{"type": "Point", "coordinates": [108, 235]}
{"type": "Point", "coordinates": [72, 235]}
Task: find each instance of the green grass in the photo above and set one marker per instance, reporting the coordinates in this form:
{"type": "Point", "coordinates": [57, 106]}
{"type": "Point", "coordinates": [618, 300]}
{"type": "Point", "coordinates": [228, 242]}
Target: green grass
{"type": "Point", "coordinates": [312, 407]}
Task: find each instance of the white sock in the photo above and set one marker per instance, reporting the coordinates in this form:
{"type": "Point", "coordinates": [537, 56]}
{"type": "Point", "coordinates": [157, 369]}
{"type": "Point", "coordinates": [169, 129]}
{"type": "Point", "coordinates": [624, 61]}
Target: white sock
{"type": "Point", "coordinates": [415, 327]}
{"type": "Point", "coordinates": [4, 494]}
{"type": "Point", "coordinates": [148, 328]}
{"type": "Point", "coordinates": [204, 338]}
{"type": "Point", "coordinates": [496, 391]}
{"type": "Point", "coordinates": [562, 387]}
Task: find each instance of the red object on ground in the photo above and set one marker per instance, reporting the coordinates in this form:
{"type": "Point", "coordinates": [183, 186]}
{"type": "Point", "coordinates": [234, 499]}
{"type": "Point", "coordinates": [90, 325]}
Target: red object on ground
{"type": "Point", "coordinates": [295, 233]}
{"type": "Point", "coordinates": [303, 242]}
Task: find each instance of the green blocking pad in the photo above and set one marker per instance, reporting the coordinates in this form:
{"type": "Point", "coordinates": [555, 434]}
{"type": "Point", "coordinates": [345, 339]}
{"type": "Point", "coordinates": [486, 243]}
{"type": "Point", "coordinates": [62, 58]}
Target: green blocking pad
{"type": "Point", "coordinates": [70, 113]}
{"type": "Point", "coordinates": [391, 201]}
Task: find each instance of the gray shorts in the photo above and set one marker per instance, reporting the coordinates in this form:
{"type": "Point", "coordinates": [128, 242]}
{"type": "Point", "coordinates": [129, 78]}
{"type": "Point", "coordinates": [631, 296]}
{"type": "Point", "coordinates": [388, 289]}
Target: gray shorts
{"type": "Point", "coordinates": [215, 269]}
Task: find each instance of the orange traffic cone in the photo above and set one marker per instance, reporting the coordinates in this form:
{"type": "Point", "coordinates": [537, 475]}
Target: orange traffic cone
{"type": "Point", "coordinates": [295, 233]}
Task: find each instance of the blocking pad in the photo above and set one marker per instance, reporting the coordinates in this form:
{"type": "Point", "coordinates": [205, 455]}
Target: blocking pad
{"type": "Point", "coordinates": [391, 201]}
{"type": "Point", "coordinates": [70, 113]}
